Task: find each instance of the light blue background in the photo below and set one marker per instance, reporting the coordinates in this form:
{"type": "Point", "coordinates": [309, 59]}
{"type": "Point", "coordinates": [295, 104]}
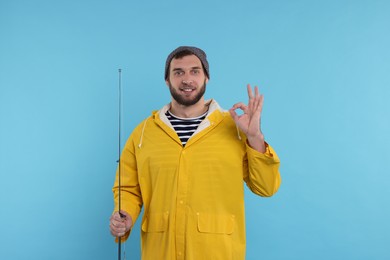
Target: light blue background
{"type": "Point", "coordinates": [323, 66]}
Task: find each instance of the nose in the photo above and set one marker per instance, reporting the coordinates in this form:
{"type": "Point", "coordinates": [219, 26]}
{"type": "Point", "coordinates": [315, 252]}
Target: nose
{"type": "Point", "coordinates": [187, 82]}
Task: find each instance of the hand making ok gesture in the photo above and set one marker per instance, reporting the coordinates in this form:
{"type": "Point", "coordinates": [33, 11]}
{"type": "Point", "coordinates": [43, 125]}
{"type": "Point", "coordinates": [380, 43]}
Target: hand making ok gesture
{"type": "Point", "coordinates": [249, 121]}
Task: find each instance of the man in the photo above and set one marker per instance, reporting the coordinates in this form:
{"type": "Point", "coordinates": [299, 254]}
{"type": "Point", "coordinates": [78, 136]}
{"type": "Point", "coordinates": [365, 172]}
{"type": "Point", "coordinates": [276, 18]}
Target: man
{"type": "Point", "coordinates": [186, 164]}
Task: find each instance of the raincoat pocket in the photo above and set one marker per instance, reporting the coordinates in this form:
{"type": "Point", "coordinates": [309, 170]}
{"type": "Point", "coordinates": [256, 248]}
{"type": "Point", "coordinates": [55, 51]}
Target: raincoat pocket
{"type": "Point", "coordinates": [215, 223]}
{"type": "Point", "coordinates": [157, 222]}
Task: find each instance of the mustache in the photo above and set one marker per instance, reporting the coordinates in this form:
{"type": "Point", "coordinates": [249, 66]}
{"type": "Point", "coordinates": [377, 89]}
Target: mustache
{"type": "Point", "coordinates": [190, 84]}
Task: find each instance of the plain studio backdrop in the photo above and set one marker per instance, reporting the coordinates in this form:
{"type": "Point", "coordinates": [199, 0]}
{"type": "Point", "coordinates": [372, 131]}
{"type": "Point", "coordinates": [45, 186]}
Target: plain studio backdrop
{"type": "Point", "coordinates": [324, 69]}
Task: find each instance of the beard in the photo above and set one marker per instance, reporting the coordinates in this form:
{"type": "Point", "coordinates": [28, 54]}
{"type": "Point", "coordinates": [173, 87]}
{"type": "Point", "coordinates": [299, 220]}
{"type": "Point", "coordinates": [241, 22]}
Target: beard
{"type": "Point", "coordinates": [182, 100]}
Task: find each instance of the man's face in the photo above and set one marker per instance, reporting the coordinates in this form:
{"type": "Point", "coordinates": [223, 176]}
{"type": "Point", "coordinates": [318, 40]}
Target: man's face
{"type": "Point", "coordinates": [187, 81]}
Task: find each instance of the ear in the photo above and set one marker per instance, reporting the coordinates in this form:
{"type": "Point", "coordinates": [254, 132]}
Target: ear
{"type": "Point", "coordinates": [207, 80]}
{"type": "Point", "coordinates": [167, 83]}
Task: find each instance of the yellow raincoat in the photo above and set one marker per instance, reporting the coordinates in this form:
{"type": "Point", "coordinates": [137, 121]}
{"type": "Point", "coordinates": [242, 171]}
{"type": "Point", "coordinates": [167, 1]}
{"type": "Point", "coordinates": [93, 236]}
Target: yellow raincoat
{"type": "Point", "coordinates": [193, 196]}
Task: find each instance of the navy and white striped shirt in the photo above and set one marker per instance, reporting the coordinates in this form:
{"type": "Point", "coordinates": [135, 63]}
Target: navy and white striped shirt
{"type": "Point", "coordinates": [185, 127]}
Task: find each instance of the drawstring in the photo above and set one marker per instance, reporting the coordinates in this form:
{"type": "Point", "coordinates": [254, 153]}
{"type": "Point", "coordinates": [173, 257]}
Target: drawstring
{"type": "Point", "coordinates": [238, 133]}
{"type": "Point", "coordinates": [142, 134]}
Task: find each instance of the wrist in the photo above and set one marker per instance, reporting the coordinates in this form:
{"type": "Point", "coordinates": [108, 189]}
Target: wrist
{"type": "Point", "coordinates": [257, 142]}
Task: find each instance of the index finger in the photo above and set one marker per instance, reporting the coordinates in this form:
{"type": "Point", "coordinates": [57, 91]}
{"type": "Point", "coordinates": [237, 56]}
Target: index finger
{"type": "Point", "coordinates": [250, 94]}
{"type": "Point", "coordinates": [116, 216]}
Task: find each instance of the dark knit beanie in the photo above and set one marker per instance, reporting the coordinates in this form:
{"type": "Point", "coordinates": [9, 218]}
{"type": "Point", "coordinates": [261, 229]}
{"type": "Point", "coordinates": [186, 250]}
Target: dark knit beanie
{"type": "Point", "coordinates": [194, 50]}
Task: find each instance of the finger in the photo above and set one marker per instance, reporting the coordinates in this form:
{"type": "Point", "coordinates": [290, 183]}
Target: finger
{"type": "Point", "coordinates": [117, 225]}
{"type": "Point", "coordinates": [127, 220]}
{"type": "Point", "coordinates": [239, 105]}
{"type": "Point", "coordinates": [257, 109]}
{"type": "Point", "coordinates": [260, 105]}
{"type": "Point", "coordinates": [250, 94]}
{"type": "Point", "coordinates": [254, 101]}
{"type": "Point", "coordinates": [117, 221]}
{"type": "Point", "coordinates": [117, 216]}
{"type": "Point", "coordinates": [117, 230]}
{"type": "Point", "coordinates": [113, 230]}
{"type": "Point", "coordinates": [124, 214]}
{"type": "Point", "coordinates": [257, 99]}
{"type": "Point", "coordinates": [233, 114]}
{"type": "Point", "coordinates": [256, 104]}
{"type": "Point", "coordinates": [256, 91]}
{"type": "Point", "coordinates": [118, 234]}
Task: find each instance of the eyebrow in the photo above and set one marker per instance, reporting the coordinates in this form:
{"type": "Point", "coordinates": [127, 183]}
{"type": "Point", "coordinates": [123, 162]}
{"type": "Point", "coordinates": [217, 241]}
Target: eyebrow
{"type": "Point", "coordinates": [196, 68]}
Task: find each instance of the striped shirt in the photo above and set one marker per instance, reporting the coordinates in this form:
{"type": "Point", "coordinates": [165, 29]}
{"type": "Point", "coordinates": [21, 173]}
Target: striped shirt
{"type": "Point", "coordinates": [185, 127]}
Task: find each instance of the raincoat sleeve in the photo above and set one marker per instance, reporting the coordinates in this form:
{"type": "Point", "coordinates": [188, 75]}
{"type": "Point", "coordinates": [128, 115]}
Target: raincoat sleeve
{"type": "Point", "coordinates": [261, 171]}
{"type": "Point", "coordinates": [131, 199]}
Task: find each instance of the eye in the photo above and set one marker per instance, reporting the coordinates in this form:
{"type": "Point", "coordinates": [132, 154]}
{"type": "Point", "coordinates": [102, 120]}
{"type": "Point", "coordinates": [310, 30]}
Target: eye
{"type": "Point", "coordinates": [195, 72]}
{"type": "Point", "coordinates": [178, 72]}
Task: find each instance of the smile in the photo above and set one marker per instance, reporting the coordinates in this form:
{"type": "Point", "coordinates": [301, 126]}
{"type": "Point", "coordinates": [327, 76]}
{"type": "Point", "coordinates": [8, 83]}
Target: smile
{"type": "Point", "coordinates": [187, 89]}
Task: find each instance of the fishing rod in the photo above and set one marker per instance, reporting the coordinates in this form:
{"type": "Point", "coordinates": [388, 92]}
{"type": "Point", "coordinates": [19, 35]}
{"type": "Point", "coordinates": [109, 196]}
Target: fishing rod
{"type": "Point", "coordinates": [119, 155]}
